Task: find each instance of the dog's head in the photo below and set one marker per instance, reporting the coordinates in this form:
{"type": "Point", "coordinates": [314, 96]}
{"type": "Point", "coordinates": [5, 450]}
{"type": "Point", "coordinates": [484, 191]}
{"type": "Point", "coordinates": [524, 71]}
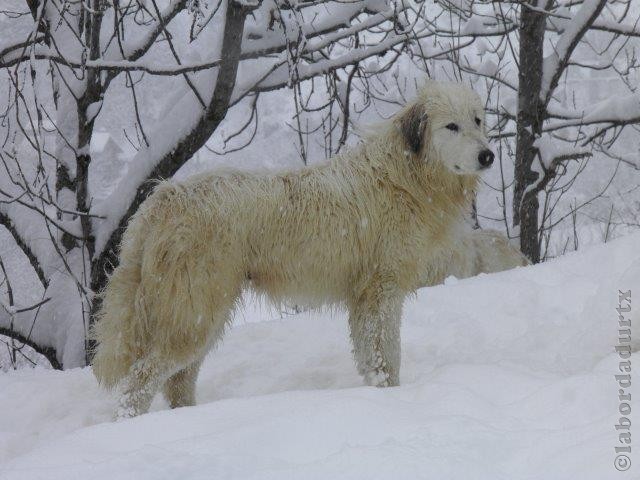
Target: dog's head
{"type": "Point", "coordinates": [445, 123]}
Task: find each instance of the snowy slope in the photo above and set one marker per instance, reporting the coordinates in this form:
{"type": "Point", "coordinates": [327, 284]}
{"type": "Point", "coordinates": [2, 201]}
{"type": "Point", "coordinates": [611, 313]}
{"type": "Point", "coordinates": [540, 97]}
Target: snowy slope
{"type": "Point", "coordinates": [505, 376]}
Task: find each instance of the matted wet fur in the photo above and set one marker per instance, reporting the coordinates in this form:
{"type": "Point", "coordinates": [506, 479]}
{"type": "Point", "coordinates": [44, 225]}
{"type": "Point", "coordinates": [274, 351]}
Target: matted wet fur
{"type": "Point", "coordinates": [362, 231]}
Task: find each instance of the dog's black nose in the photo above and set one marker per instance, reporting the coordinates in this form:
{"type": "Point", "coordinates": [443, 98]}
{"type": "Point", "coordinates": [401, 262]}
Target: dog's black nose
{"type": "Point", "coordinates": [486, 157]}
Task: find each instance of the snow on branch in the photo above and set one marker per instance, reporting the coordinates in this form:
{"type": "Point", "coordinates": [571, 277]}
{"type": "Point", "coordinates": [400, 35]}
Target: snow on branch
{"type": "Point", "coordinates": [328, 22]}
{"type": "Point", "coordinates": [611, 26]}
{"type": "Point", "coordinates": [120, 56]}
{"type": "Point", "coordinates": [255, 44]}
{"type": "Point", "coordinates": [135, 49]}
{"type": "Point", "coordinates": [48, 352]}
{"type": "Point", "coordinates": [22, 242]}
{"type": "Point", "coordinates": [267, 35]}
{"type": "Point", "coordinates": [277, 75]}
{"type": "Point", "coordinates": [114, 66]}
{"type": "Point", "coordinates": [555, 64]}
{"type": "Point", "coordinates": [21, 45]}
{"type": "Point", "coordinates": [36, 325]}
{"type": "Point", "coordinates": [618, 108]}
{"type": "Point", "coordinates": [615, 111]}
{"type": "Point", "coordinates": [552, 152]}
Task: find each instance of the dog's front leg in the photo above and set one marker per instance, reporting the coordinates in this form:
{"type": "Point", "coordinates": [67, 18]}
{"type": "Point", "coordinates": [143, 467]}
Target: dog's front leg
{"type": "Point", "coordinates": [374, 321]}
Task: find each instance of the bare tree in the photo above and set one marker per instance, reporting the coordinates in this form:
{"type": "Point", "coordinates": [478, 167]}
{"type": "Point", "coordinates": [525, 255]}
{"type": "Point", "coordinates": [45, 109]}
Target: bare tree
{"type": "Point", "coordinates": [528, 51]}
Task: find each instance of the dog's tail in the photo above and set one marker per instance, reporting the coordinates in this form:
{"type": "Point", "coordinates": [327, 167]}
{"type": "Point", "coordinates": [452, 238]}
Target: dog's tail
{"type": "Point", "coordinates": [122, 332]}
{"type": "Point", "coordinates": [114, 329]}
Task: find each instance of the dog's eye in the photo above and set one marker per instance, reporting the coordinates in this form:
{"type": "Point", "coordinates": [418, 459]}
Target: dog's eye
{"type": "Point", "coordinates": [453, 127]}
{"type": "Point", "coordinates": [478, 121]}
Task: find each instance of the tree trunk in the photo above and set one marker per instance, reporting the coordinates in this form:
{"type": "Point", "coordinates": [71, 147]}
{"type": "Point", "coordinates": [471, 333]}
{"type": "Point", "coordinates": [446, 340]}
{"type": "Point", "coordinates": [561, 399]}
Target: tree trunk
{"type": "Point", "coordinates": [529, 126]}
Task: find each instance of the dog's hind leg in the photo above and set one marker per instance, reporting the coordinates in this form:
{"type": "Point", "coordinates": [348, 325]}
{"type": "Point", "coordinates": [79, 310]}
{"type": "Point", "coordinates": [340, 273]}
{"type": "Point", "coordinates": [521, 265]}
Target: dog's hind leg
{"type": "Point", "coordinates": [180, 388]}
{"type": "Point", "coordinates": [140, 386]}
{"type": "Point", "coordinates": [374, 321]}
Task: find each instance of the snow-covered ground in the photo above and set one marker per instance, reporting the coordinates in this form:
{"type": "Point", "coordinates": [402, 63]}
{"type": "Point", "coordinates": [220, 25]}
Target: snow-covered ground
{"type": "Point", "coordinates": [505, 376]}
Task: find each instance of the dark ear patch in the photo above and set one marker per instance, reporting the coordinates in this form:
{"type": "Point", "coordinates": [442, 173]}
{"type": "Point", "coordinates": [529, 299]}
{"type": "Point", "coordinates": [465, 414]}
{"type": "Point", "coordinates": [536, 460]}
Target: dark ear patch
{"type": "Point", "coordinates": [411, 123]}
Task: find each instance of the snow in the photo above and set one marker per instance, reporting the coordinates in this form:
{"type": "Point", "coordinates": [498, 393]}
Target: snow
{"type": "Point", "coordinates": [505, 376]}
{"type": "Point", "coordinates": [615, 108]}
{"type": "Point", "coordinates": [474, 25]}
{"type": "Point", "coordinates": [566, 42]}
{"type": "Point", "coordinates": [135, 44]}
{"type": "Point", "coordinates": [551, 149]}
{"type": "Point", "coordinates": [93, 110]}
{"type": "Point", "coordinates": [99, 141]}
{"type": "Point", "coordinates": [262, 36]}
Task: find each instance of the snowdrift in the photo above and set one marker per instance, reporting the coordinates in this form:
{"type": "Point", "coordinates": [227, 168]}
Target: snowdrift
{"type": "Point", "coordinates": [504, 376]}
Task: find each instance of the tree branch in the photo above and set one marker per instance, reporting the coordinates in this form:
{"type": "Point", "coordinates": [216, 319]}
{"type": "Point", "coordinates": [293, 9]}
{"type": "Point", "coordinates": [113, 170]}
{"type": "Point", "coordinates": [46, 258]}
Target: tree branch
{"type": "Point", "coordinates": [48, 352]}
{"type": "Point", "coordinates": [177, 156]}
{"type": "Point", "coordinates": [133, 53]}
{"type": "Point", "coordinates": [556, 63]}
{"type": "Point", "coordinates": [6, 222]}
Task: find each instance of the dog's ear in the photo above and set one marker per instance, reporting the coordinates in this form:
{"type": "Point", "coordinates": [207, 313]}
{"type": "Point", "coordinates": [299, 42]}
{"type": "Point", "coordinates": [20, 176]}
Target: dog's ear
{"type": "Point", "coordinates": [411, 123]}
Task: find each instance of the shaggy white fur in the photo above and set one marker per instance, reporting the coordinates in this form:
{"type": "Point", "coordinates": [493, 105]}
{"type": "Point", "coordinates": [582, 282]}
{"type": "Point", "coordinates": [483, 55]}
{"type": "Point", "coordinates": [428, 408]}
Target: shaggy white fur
{"type": "Point", "coordinates": [362, 231]}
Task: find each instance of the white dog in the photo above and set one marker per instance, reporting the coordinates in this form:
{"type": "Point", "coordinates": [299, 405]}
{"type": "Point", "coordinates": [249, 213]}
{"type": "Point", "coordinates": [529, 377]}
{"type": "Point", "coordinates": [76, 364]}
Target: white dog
{"type": "Point", "coordinates": [362, 231]}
